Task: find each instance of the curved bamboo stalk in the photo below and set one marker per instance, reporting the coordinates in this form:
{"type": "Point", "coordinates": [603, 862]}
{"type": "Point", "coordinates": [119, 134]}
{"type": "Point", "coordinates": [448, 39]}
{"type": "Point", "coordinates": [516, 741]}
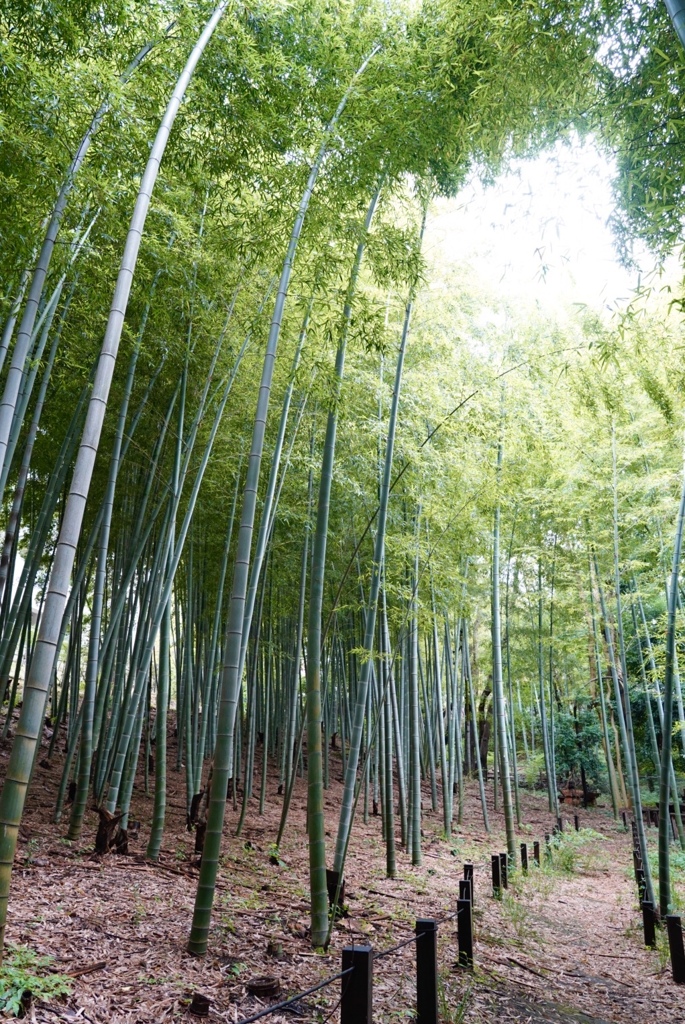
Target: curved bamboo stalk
{"type": "Point", "coordinates": [627, 735]}
{"type": "Point", "coordinates": [20, 486]}
{"type": "Point", "coordinates": [315, 812]}
{"type": "Point", "coordinates": [86, 749]}
{"type": "Point", "coordinates": [37, 685]}
{"type": "Point", "coordinates": [667, 725]}
{"type": "Point", "coordinates": [345, 821]}
{"type": "Point", "coordinates": [230, 683]}
{"type": "Point", "coordinates": [498, 682]}
{"type": "Point", "coordinates": [611, 771]}
{"type": "Point", "coordinates": [17, 367]}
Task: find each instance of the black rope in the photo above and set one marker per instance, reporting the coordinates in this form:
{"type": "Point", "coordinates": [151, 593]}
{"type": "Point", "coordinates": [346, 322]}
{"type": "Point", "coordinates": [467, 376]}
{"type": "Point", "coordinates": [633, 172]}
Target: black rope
{"type": "Point", "coordinates": [448, 917]}
{"type": "Point", "coordinates": [342, 996]}
{"type": "Point", "coordinates": [336, 977]}
{"type": "Point", "coordinates": [400, 945]}
{"type": "Point", "coordinates": [413, 938]}
{"type": "Point", "coordinates": [295, 999]}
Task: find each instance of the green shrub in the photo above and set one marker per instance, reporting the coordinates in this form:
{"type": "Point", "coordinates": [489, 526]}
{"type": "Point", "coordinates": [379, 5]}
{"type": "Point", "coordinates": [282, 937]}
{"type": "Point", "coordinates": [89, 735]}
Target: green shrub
{"type": "Point", "coordinates": [532, 768]}
{"type": "Point", "coordinates": [571, 850]}
{"type": "Point", "coordinates": [25, 971]}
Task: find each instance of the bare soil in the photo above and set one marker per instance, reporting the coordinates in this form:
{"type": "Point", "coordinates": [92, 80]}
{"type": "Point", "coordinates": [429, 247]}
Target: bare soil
{"type": "Point", "coordinates": [564, 948]}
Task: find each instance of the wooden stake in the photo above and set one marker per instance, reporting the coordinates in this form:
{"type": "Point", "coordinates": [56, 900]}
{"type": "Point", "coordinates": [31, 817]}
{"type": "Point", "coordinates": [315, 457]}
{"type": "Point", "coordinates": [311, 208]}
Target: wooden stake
{"type": "Point", "coordinates": [356, 1004]}
{"type": "Point", "coordinates": [468, 875]}
{"type": "Point", "coordinates": [496, 876]}
{"type": "Point", "coordinates": [465, 933]}
{"type": "Point", "coordinates": [426, 971]}
{"type": "Point", "coordinates": [648, 923]}
{"type": "Point", "coordinates": [675, 945]}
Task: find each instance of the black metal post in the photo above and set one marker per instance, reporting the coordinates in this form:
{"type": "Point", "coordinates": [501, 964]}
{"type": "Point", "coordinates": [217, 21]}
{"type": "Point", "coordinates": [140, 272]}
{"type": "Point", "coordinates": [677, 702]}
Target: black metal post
{"type": "Point", "coordinates": [356, 1003]}
{"type": "Point", "coordinates": [426, 971]}
{"type": "Point", "coordinates": [576, 822]}
{"type": "Point", "coordinates": [465, 889]}
{"type": "Point", "coordinates": [524, 858]}
{"type": "Point", "coordinates": [536, 852]}
{"type": "Point", "coordinates": [548, 847]}
{"type": "Point", "coordinates": [675, 944]}
{"type": "Point", "coordinates": [496, 876]}
{"type": "Point", "coordinates": [465, 933]}
{"type": "Point", "coordinates": [649, 923]}
{"type": "Point", "coordinates": [640, 879]}
{"type": "Point", "coordinates": [625, 820]}
{"type": "Point", "coordinates": [560, 824]}
{"type": "Point", "coordinates": [468, 875]}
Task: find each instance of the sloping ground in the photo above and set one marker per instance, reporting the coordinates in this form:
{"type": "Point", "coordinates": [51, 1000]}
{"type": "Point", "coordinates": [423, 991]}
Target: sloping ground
{"type": "Point", "coordinates": [559, 948]}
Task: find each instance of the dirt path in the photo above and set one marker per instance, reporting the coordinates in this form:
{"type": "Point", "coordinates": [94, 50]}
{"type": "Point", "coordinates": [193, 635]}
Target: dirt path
{"type": "Point", "coordinates": [558, 948]}
{"type": "Point", "coordinates": [575, 942]}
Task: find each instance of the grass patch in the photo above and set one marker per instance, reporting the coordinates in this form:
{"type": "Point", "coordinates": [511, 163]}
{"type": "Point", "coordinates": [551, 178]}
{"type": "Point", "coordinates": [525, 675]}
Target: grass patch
{"type": "Point", "coordinates": [575, 851]}
{"type": "Point", "coordinates": [517, 914]}
{"type": "Point", "coordinates": [677, 863]}
{"type": "Point", "coordinates": [452, 1004]}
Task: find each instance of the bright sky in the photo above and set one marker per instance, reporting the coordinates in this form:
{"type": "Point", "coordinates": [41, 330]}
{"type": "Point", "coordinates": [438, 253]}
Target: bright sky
{"type": "Point", "coordinates": [540, 233]}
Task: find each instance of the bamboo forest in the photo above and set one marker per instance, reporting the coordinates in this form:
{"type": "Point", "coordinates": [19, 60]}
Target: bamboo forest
{"type": "Point", "coordinates": [342, 495]}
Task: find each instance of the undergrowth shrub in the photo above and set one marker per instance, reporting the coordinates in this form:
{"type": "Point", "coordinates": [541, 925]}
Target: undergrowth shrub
{"type": "Point", "coordinates": [677, 865]}
{"type": "Point", "coordinates": [25, 971]}
{"type": "Point", "coordinates": [573, 851]}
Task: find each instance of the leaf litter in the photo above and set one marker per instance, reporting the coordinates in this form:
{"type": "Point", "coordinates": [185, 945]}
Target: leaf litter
{"type": "Point", "coordinates": [562, 949]}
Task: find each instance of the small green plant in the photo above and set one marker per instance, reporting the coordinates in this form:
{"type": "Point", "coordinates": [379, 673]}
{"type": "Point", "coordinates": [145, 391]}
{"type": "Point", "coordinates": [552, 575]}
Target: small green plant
{"type": "Point", "coordinates": [677, 865]}
{"type": "Point", "coordinates": [573, 850]}
{"type": "Point", "coordinates": [533, 768]}
{"type": "Point", "coordinates": [662, 949]}
{"type": "Point", "coordinates": [450, 1011]}
{"type": "Point", "coordinates": [25, 971]}
{"type": "Point", "coordinates": [31, 850]}
{"type": "Point", "coordinates": [540, 879]}
{"type": "Point", "coordinates": [275, 857]}
{"type": "Point", "coordinates": [139, 913]}
{"type": "Point", "coordinates": [253, 901]}
{"type": "Point", "coordinates": [517, 913]}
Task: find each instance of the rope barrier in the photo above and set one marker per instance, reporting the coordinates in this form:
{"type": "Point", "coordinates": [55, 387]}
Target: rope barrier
{"type": "Point", "coordinates": [342, 996]}
{"type": "Point", "coordinates": [400, 945]}
{"type": "Point", "coordinates": [294, 999]}
{"type": "Point", "coordinates": [336, 977]}
{"type": "Point", "coordinates": [413, 938]}
{"type": "Point", "coordinates": [448, 917]}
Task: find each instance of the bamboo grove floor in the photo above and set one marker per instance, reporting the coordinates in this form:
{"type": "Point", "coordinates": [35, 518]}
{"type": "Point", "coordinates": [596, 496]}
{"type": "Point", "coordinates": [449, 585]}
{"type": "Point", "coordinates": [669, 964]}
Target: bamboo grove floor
{"type": "Point", "coordinates": [563, 948]}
